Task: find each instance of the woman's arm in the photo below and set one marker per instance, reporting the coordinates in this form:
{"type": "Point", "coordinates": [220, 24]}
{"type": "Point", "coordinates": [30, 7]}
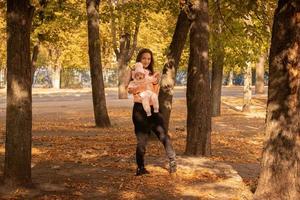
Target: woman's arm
{"type": "Point", "coordinates": [134, 88]}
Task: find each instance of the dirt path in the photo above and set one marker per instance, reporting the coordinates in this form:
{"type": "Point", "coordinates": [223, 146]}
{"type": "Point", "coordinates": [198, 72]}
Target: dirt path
{"type": "Point", "coordinates": [74, 160]}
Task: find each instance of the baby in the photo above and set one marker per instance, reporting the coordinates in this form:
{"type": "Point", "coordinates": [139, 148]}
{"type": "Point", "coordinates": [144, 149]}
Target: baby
{"type": "Point", "coordinates": [141, 77]}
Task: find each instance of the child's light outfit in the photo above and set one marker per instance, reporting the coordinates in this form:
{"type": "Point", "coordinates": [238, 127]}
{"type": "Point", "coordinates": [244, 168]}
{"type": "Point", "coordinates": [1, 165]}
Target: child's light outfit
{"type": "Point", "coordinates": [148, 95]}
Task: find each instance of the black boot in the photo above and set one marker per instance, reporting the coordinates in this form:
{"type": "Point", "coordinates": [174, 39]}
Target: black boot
{"type": "Point", "coordinates": [141, 171]}
{"type": "Point", "coordinates": [173, 166]}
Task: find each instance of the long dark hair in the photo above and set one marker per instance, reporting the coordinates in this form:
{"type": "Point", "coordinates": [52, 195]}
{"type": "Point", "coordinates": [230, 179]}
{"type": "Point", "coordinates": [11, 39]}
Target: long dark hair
{"type": "Point", "coordinates": [139, 58]}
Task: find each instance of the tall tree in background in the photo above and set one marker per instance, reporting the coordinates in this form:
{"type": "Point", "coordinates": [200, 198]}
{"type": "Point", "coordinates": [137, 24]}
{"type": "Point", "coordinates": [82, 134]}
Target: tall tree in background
{"type": "Point", "coordinates": [217, 67]}
{"type": "Point", "coordinates": [126, 48]}
{"type": "Point", "coordinates": [247, 87]}
{"type": "Point", "coordinates": [198, 86]}
{"type": "Point", "coordinates": [170, 68]}
{"type": "Point", "coordinates": [17, 169]}
{"type": "Point", "coordinates": [279, 177]}
{"type": "Point", "coordinates": [3, 48]}
{"type": "Point", "coordinates": [259, 75]}
{"type": "Point", "coordinates": [39, 13]}
{"type": "Point", "coordinates": [100, 110]}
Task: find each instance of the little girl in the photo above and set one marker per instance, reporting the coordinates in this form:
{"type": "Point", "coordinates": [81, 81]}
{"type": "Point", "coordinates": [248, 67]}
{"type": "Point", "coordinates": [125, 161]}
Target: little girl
{"type": "Point", "coordinates": [141, 77]}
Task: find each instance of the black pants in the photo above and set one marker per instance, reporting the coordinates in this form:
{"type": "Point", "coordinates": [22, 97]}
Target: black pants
{"type": "Point", "coordinates": [143, 126]}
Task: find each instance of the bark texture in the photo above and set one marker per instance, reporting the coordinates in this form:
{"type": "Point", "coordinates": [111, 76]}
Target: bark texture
{"type": "Point", "coordinates": [17, 167]}
{"type": "Point", "coordinates": [170, 68]}
{"type": "Point", "coordinates": [260, 72]}
{"type": "Point", "coordinates": [198, 85]}
{"type": "Point", "coordinates": [125, 51]}
{"type": "Point", "coordinates": [217, 71]}
{"type": "Point", "coordinates": [279, 177]}
{"type": "Point", "coordinates": [247, 88]}
{"type": "Point", "coordinates": [99, 102]}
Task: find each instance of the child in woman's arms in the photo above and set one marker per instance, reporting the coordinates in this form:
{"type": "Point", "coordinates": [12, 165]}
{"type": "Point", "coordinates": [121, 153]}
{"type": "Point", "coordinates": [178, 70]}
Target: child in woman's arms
{"type": "Point", "coordinates": [141, 77]}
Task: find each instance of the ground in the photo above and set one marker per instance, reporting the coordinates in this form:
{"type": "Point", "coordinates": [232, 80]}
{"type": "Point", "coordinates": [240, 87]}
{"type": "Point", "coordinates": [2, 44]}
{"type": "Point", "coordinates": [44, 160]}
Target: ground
{"type": "Point", "coordinates": [74, 160]}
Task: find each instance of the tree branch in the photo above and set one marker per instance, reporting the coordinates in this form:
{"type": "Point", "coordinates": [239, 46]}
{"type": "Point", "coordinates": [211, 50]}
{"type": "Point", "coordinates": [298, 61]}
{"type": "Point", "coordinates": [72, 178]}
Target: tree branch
{"type": "Point", "coordinates": [113, 29]}
{"type": "Point", "coordinates": [186, 6]}
{"type": "Point", "coordinates": [134, 43]}
{"type": "Point", "coordinates": [222, 17]}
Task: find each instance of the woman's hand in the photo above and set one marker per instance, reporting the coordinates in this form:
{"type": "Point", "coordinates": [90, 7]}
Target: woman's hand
{"type": "Point", "coordinates": [142, 87]}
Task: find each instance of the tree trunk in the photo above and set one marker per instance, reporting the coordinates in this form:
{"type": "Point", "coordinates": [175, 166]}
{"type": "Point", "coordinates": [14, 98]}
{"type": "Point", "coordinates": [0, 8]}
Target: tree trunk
{"type": "Point", "coordinates": [198, 85]}
{"type": "Point", "coordinates": [2, 78]}
{"type": "Point", "coordinates": [55, 77]}
{"type": "Point", "coordinates": [17, 169]}
{"type": "Point", "coordinates": [5, 77]}
{"type": "Point", "coordinates": [216, 84]}
{"type": "Point", "coordinates": [100, 110]}
{"type": "Point", "coordinates": [170, 68]}
{"type": "Point", "coordinates": [125, 51]}
{"type": "Point", "coordinates": [247, 88]}
{"type": "Point", "coordinates": [124, 56]}
{"type": "Point", "coordinates": [230, 78]}
{"type": "Point", "coordinates": [279, 176]}
{"type": "Point", "coordinates": [259, 80]}
{"type": "Point", "coordinates": [217, 72]}
{"type": "Point", "coordinates": [34, 60]}
{"type": "Point", "coordinates": [123, 76]}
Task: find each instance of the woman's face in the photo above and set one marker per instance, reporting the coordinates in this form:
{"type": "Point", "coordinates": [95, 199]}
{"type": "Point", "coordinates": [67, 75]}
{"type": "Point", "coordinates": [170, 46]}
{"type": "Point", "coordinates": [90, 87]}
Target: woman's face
{"type": "Point", "coordinates": [146, 59]}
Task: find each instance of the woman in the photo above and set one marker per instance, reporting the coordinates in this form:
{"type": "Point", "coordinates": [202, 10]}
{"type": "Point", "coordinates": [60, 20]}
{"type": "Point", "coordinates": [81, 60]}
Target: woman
{"type": "Point", "coordinates": [143, 125]}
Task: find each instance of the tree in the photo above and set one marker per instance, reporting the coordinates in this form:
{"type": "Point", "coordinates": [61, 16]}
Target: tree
{"type": "Point", "coordinates": [17, 169]}
{"type": "Point", "coordinates": [247, 87]}
{"type": "Point", "coordinates": [217, 67]}
{"type": "Point", "coordinates": [259, 75]}
{"type": "Point", "coordinates": [230, 78]}
{"type": "Point", "coordinates": [171, 66]}
{"type": "Point", "coordinates": [100, 110]}
{"type": "Point", "coordinates": [2, 44]}
{"type": "Point", "coordinates": [57, 24]}
{"type": "Point", "coordinates": [198, 86]}
{"type": "Point", "coordinates": [245, 31]}
{"type": "Point", "coordinates": [126, 49]}
{"type": "Point", "coordinates": [279, 176]}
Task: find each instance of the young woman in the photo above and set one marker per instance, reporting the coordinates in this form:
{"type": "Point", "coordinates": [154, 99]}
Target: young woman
{"type": "Point", "coordinates": [143, 125]}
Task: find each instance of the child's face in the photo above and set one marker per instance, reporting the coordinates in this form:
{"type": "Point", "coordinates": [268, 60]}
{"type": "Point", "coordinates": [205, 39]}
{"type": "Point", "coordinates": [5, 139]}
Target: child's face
{"type": "Point", "coordinates": [139, 76]}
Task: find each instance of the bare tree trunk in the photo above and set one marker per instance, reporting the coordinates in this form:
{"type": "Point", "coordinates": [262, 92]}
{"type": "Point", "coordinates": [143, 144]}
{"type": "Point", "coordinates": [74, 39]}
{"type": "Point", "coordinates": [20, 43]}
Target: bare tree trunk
{"type": "Point", "coordinates": [34, 60]}
{"type": "Point", "coordinates": [55, 75]}
{"type": "Point", "coordinates": [280, 175]}
{"type": "Point", "coordinates": [260, 70]}
{"type": "Point", "coordinates": [198, 85]}
{"type": "Point", "coordinates": [100, 110]}
{"type": "Point", "coordinates": [125, 55]}
{"type": "Point", "coordinates": [217, 71]}
{"type": "Point", "coordinates": [216, 85]}
{"type": "Point", "coordinates": [5, 76]}
{"type": "Point", "coordinates": [123, 73]}
{"type": "Point", "coordinates": [2, 78]}
{"type": "Point", "coordinates": [230, 78]}
{"type": "Point", "coordinates": [170, 68]}
{"type": "Point", "coordinates": [125, 51]}
{"type": "Point", "coordinates": [247, 88]}
{"type": "Point", "coordinates": [17, 168]}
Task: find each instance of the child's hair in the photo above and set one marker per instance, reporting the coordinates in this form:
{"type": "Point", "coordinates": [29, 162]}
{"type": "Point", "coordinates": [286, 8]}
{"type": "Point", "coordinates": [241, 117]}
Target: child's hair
{"type": "Point", "coordinates": [139, 59]}
{"type": "Point", "coordinates": [138, 69]}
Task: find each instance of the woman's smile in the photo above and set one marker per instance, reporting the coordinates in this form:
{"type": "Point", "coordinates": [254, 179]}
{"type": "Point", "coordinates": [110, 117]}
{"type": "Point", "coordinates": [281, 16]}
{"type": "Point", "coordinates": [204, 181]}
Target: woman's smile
{"type": "Point", "coordinates": [146, 59]}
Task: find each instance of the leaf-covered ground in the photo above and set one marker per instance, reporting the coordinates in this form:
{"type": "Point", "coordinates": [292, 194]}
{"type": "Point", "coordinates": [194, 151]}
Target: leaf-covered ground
{"type": "Point", "coordinates": [74, 160]}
